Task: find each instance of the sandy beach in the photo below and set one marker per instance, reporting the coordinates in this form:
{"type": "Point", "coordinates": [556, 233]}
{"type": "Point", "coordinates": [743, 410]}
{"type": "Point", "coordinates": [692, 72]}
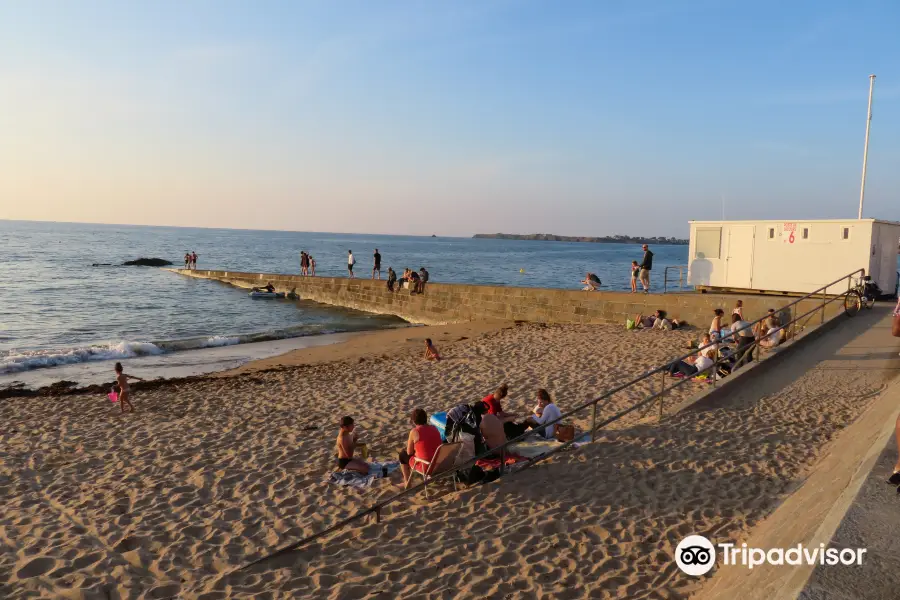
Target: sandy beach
{"type": "Point", "coordinates": [214, 473]}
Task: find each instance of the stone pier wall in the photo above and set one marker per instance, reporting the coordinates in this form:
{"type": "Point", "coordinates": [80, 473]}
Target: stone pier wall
{"type": "Point", "coordinates": [445, 303]}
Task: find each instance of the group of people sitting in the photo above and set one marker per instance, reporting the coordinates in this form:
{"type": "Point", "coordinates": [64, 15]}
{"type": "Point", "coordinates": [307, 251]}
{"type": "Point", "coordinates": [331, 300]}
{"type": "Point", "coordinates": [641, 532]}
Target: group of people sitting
{"type": "Point", "coordinates": [416, 281]}
{"type": "Point", "coordinates": [658, 320]}
{"type": "Point", "coordinates": [729, 348]}
{"type": "Point", "coordinates": [484, 424]}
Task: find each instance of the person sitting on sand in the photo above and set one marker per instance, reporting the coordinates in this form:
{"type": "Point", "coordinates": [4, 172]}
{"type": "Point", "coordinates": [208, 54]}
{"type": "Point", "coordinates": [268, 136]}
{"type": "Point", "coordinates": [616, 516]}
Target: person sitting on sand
{"type": "Point", "coordinates": [715, 328]}
{"type": "Point", "coordinates": [491, 427]}
{"type": "Point", "coordinates": [423, 441]}
{"type": "Point", "coordinates": [695, 365]}
{"type": "Point", "coordinates": [773, 334]}
{"type": "Point", "coordinates": [590, 282]}
{"type": "Point", "coordinates": [545, 412]}
{"type": "Point", "coordinates": [657, 320]}
{"type": "Point", "coordinates": [492, 401]}
{"type": "Point", "coordinates": [431, 352]}
{"type": "Point", "coordinates": [346, 445]}
{"type": "Point", "coordinates": [124, 388]}
{"type": "Point", "coordinates": [742, 333]}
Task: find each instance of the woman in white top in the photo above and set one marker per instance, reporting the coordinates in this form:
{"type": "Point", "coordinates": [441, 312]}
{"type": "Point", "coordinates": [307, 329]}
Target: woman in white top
{"type": "Point", "coordinates": [772, 335]}
{"type": "Point", "coordinates": [704, 360]}
{"type": "Point", "coordinates": [545, 412]}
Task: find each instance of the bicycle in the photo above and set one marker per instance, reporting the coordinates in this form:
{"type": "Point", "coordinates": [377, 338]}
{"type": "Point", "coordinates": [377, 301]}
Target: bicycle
{"type": "Point", "coordinates": [861, 295]}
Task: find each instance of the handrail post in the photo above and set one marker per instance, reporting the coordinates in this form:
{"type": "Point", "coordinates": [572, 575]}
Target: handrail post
{"type": "Point", "coordinates": [662, 393]}
{"type": "Point", "coordinates": [594, 423]}
{"type": "Point", "coordinates": [822, 315]}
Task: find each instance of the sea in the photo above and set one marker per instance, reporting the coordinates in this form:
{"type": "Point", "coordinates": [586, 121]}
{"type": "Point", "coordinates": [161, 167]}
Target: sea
{"type": "Point", "coordinates": [68, 308]}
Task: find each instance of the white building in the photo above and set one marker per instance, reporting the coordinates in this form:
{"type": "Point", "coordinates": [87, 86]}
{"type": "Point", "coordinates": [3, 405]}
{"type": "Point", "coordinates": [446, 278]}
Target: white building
{"type": "Point", "coordinates": [791, 256]}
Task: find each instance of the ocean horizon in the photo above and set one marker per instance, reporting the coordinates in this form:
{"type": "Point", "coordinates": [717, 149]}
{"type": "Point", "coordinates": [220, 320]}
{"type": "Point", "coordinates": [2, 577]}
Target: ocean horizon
{"type": "Point", "coordinates": [66, 312]}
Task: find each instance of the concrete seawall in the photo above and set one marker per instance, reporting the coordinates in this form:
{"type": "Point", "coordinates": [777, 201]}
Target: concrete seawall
{"type": "Point", "coordinates": [445, 303]}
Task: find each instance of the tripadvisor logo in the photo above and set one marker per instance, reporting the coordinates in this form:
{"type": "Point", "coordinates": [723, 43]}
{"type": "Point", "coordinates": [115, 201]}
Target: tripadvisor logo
{"type": "Point", "coordinates": [696, 555]}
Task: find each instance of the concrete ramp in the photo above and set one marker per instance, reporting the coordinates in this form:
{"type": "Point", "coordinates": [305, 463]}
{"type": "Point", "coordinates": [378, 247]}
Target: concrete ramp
{"type": "Point", "coordinates": [858, 360]}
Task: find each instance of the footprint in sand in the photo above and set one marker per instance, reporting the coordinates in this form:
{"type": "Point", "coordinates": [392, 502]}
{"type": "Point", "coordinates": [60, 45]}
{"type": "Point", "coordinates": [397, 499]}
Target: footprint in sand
{"type": "Point", "coordinates": [37, 567]}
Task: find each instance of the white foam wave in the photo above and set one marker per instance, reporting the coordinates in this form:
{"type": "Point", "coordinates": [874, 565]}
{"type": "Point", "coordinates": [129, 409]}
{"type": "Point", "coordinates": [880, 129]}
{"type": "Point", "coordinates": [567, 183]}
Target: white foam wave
{"type": "Point", "coordinates": [25, 360]}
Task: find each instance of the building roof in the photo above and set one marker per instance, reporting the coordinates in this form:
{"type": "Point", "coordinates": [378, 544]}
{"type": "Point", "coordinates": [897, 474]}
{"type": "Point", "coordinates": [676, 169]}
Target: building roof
{"type": "Point", "coordinates": [798, 221]}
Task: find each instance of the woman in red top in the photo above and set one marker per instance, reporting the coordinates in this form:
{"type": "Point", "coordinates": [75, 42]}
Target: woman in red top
{"type": "Point", "coordinates": [423, 442]}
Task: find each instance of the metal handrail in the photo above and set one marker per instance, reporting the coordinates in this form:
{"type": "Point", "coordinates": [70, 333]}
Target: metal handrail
{"type": "Point", "coordinates": [662, 370]}
{"type": "Point", "coordinates": [682, 269]}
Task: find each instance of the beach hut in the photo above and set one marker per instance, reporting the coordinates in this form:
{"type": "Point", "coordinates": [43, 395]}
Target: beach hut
{"type": "Point", "coordinates": [791, 256]}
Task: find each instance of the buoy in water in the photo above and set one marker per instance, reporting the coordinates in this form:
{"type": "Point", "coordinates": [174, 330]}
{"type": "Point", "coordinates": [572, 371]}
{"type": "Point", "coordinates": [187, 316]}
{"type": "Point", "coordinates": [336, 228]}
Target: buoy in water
{"type": "Point", "coordinates": [521, 270]}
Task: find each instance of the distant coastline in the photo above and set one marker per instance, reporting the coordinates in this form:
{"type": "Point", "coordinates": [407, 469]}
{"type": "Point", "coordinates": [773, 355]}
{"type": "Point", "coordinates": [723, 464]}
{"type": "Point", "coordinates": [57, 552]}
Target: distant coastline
{"type": "Point", "coordinates": [610, 239]}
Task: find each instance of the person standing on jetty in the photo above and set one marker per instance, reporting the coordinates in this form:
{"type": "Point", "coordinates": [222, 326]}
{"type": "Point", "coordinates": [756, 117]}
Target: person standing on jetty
{"type": "Point", "coordinates": [376, 270]}
{"type": "Point", "coordinates": [350, 262]}
{"type": "Point", "coordinates": [304, 263]}
{"type": "Point", "coordinates": [193, 260]}
{"type": "Point", "coordinates": [646, 265]}
{"type": "Point", "coordinates": [187, 260]}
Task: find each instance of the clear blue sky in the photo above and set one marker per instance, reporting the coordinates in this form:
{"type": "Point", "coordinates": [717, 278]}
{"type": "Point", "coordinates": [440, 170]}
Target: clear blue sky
{"type": "Point", "coordinates": [576, 117]}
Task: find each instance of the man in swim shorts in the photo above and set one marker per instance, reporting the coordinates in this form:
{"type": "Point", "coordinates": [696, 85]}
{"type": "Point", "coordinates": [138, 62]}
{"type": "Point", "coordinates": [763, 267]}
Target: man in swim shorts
{"type": "Point", "coordinates": [346, 445]}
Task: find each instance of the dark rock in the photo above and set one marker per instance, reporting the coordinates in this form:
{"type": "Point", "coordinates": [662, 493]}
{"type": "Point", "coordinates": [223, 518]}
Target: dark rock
{"type": "Point", "coordinates": [147, 262]}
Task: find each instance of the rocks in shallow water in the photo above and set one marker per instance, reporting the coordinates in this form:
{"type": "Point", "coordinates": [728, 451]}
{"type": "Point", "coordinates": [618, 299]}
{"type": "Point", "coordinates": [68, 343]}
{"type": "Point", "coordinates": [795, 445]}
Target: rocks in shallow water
{"type": "Point", "coordinates": [147, 262]}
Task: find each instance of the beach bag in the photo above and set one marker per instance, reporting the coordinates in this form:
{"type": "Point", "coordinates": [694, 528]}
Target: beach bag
{"type": "Point", "coordinates": [565, 432]}
{"type": "Point", "coordinates": [629, 324]}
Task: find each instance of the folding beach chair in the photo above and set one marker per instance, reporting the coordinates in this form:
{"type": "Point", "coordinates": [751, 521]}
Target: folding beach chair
{"type": "Point", "coordinates": [444, 460]}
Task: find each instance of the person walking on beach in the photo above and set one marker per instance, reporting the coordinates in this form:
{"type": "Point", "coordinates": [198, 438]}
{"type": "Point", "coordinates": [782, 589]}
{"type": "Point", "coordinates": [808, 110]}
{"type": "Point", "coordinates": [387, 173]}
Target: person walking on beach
{"type": "Point", "coordinates": [346, 445]}
{"type": "Point", "coordinates": [376, 270]}
{"type": "Point", "coordinates": [431, 352]}
{"type": "Point", "coordinates": [646, 265]}
{"type": "Point", "coordinates": [350, 262]}
{"type": "Point", "coordinates": [124, 388]}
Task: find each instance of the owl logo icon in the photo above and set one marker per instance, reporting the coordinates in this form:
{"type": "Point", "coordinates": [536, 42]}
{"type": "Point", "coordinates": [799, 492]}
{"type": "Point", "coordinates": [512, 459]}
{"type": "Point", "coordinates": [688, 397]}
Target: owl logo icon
{"type": "Point", "coordinates": [695, 555]}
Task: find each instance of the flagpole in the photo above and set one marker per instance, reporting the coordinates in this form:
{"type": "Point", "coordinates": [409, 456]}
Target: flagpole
{"type": "Point", "coordinates": [862, 185]}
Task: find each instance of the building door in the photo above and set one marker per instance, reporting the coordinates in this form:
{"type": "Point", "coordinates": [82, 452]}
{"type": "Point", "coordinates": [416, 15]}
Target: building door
{"type": "Point", "coordinates": [739, 259]}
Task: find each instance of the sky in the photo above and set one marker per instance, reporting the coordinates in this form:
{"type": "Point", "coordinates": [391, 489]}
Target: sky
{"type": "Point", "coordinates": [453, 118]}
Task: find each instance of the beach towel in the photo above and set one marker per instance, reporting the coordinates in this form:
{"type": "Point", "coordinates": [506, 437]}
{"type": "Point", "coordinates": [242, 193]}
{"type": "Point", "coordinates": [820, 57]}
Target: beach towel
{"type": "Point", "coordinates": [358, 480]}
{"type": "Point", "coordinates": [439, 420]}
{"type": "Point", "coordinates": [489, 464]}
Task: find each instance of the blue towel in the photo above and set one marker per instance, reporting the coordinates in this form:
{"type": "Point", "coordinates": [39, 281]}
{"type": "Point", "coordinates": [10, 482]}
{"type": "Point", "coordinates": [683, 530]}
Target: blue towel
{"type": "Point", "coordinates": [439, 420]}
